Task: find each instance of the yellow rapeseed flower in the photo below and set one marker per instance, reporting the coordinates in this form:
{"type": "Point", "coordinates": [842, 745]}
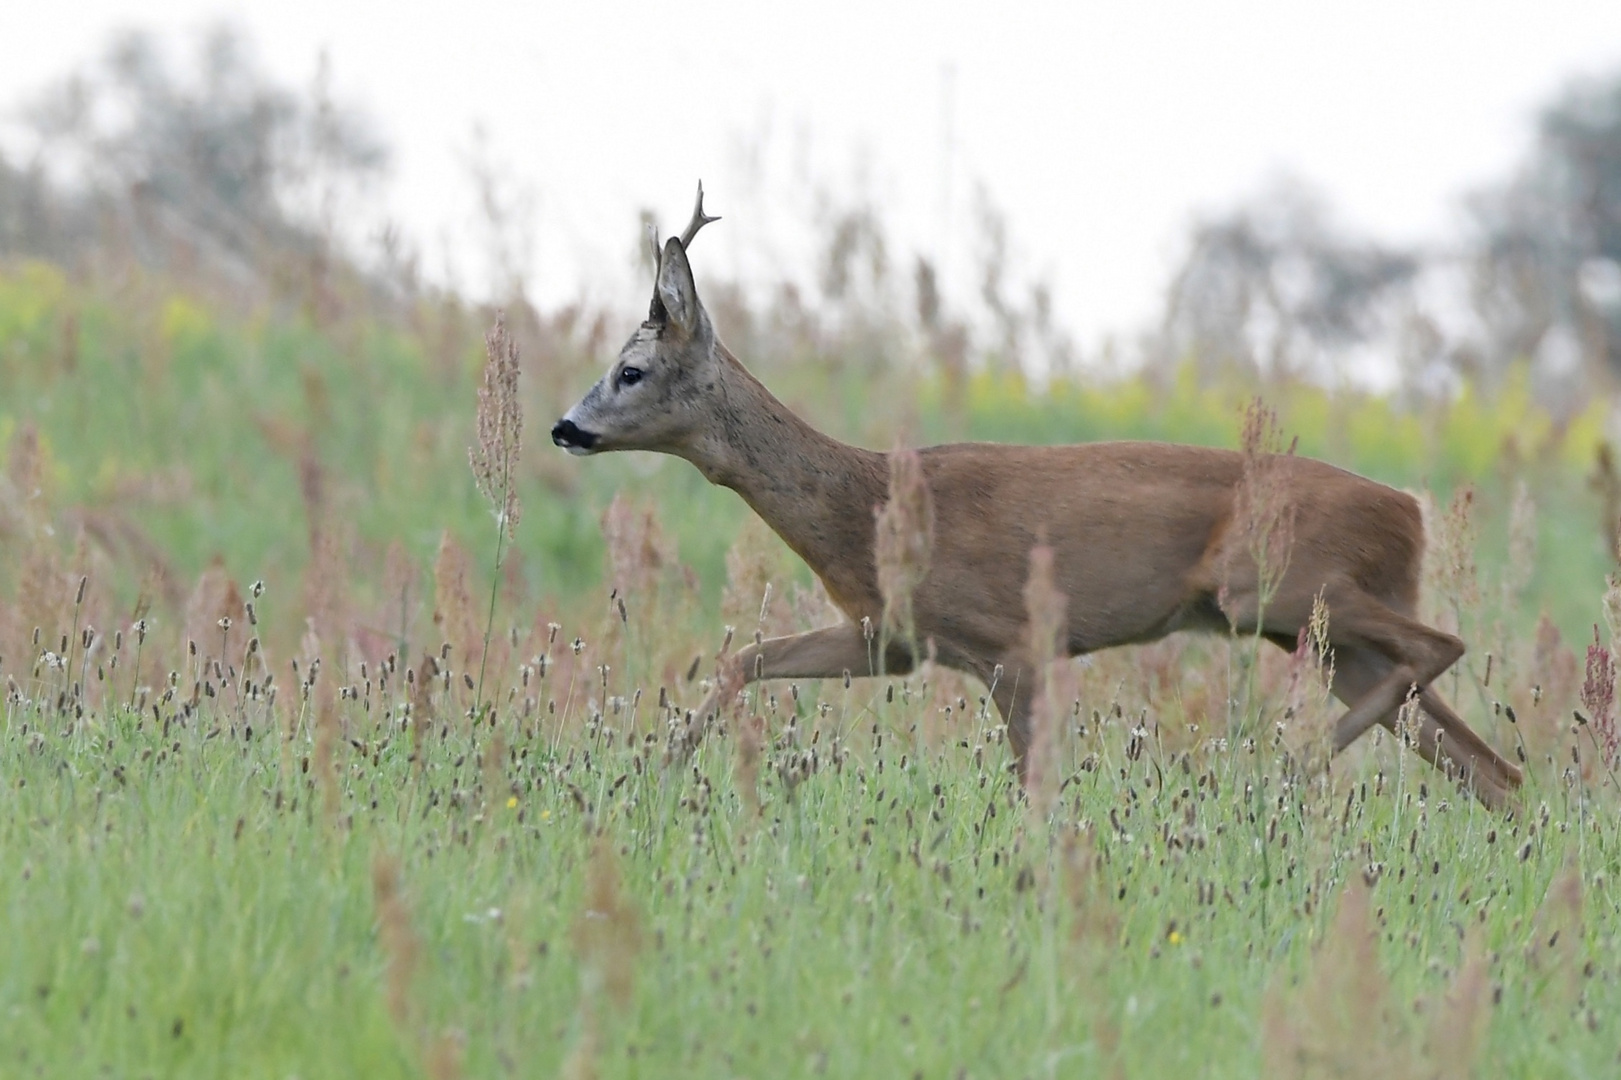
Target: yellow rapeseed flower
{"type": "Point", "coordinates": [512, 802]}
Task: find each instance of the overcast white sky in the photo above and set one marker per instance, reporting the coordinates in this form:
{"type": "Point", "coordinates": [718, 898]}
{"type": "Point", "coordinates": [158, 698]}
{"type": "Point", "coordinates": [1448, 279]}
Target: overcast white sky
{"type": "Point", "coordinates": [1101, 129]}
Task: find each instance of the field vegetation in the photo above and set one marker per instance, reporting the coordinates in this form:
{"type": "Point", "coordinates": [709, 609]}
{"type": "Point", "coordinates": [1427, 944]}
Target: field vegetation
{"type": "Point", "coordinates": [325, 754]}
{"type": "Point", "coordinates": [278, 804]}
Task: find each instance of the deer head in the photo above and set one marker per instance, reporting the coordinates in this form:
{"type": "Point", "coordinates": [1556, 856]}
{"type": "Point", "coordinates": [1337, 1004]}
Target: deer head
{"type": "Point", "coordinates": [652, 398]}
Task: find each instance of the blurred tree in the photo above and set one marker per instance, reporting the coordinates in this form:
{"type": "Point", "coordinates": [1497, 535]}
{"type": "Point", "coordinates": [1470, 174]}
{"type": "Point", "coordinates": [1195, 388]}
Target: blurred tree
{"type": "Point", "coordinates": [1546, 263]}
{"type": "Point", "coordinates": [34, 218]}
{"type": "Point", "coordinates": [219, 168]}
{"type": "Point", "coordinates": [1273, 287]}
{"type": "Point", "coordinates": [1022, 334]}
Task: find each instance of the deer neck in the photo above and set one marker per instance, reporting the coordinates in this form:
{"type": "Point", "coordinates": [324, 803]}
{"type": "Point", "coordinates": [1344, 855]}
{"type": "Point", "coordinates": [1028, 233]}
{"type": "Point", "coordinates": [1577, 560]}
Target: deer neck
{"type": "Point", "coordinates": [814, 491]}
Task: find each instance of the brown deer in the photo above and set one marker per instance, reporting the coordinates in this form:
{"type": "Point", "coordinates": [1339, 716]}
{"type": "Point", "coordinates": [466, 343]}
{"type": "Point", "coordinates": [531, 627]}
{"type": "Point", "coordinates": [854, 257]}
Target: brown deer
{"type": "Point", "coordinates": [1146, 540]}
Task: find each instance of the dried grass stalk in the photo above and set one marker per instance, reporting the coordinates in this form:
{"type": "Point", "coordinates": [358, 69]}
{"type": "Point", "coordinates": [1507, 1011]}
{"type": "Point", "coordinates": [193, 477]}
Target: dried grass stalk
{"type": "Point", "coordinates": [1459, 1030]}
{"type": "Point", "coordinates": [216, 617]}
{"type": "Point", "coordinates": [1340, 1021]}
{"type": "Point", "coordinates": [1450, 569]}
{"type": "Point", "coordinates": [401, 948]}
{"type": "Point", "coordinates": [1046, 608]}
{"type": "Point", "coordinates": [905, 540]}
{"type": "Point", "coordinates": [440, 1055]}
{"type": "Point", "coordinates": [755, 570]}
{"type": "Point", "coordinates": [750, 749]}
{"type": "Point", "coordinates": [1094, 922]}
{"type": "Point", "coordinates": [637, 549]}
{"type": "Point", "coordinates": [453, 613]}
{"type": "Point", "coordinates": [1309, 706]}
{"type": "Point", "coordinates": [607, 937]}
{"type": "Point", "coordinates": [328, 733]}
{"type": "Point", "coordinates": [398, 597]}
{"type": "Point", "coordinates": [1556, 950]}
{"type": "Point", "coordinates": [420, 681]}
{"type": "Point", "coordinates": [1265, 512]}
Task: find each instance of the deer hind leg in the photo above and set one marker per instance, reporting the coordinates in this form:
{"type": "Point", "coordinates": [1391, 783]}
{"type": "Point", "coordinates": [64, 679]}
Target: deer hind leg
{"type": "Point", "coordinates": [1380, 656]}
{"type": "Point", "coordinates": [1443, 736]}
{"type": "Point", "coordinates": [828, 653]}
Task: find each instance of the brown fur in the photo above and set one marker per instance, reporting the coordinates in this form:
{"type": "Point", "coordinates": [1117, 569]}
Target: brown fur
{"type": "Point", "coordinates": [1144, 536]}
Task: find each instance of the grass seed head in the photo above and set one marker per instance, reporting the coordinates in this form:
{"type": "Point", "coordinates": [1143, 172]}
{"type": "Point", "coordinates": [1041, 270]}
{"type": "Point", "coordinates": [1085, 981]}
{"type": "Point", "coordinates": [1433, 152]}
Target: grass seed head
{"type": "Point", "coordinates": [1598, 698]}
{"type": "Point", "coordinates": [494, 457]}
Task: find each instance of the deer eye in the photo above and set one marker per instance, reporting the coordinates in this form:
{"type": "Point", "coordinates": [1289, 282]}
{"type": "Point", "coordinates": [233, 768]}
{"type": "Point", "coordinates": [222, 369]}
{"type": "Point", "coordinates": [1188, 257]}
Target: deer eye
{"type": "Point", "coordinates": [630, 376]}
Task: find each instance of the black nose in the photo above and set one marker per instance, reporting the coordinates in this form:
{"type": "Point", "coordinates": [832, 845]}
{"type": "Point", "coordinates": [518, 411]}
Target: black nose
{"type": "Point", "coordinates": [567, 434]}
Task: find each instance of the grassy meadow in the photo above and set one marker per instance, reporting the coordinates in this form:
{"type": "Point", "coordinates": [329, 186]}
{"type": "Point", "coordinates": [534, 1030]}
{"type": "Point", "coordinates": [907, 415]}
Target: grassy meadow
{"type": "Point", "coordinates": [302, 780]}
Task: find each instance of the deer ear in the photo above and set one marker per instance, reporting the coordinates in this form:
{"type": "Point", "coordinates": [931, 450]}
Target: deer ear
{"type": "Point", "coordinates": [676, 292]}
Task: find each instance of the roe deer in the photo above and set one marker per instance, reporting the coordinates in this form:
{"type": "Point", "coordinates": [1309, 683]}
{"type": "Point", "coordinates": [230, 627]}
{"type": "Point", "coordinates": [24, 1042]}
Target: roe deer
{"type": "Point", "coordinates": [1146, 540]}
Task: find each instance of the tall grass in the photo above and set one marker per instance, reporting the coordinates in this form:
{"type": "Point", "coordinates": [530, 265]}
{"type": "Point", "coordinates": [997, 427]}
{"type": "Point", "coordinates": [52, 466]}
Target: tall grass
{"type": "Point", "coordinates": [193, 890]}
{"type": "Point", "coordinates": [281, 801]}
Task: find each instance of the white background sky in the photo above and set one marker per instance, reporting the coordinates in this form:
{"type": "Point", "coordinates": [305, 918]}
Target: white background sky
{"type": "Point", "coordinates": [1100, 129]}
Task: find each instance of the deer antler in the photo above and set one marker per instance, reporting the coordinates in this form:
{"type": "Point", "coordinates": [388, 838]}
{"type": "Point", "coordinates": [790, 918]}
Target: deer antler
{"type": "Point", "coordinates": [699, 220]}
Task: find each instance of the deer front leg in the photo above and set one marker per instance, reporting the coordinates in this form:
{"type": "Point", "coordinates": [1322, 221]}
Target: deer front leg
{"type": "Point", "coordinates": [828, 653]}
{"type": "Point", "coordinates": [1011, 684]}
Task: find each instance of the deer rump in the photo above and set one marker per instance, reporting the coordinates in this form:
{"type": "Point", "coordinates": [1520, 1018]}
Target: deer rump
{"type": "Point", "coordinates": [1152, 538]}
